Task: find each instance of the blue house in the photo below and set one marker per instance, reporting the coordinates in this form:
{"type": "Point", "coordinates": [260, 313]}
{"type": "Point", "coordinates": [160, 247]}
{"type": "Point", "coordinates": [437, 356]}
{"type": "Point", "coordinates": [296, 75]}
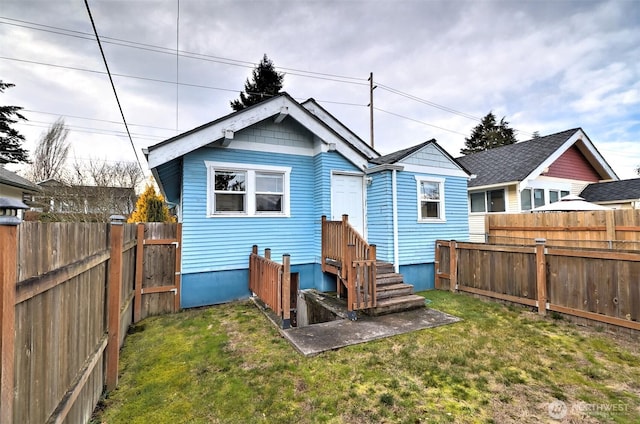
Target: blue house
{"type": "Point", "coordinates": [267, 174]}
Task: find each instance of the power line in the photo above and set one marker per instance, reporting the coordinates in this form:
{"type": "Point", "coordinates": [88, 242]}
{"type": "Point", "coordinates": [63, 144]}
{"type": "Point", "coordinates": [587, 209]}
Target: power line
{"type": "Point", "coordinates": [103, 131]}
{"type": "Point", "coordinates": [115, 93]}
{"type": "Point", "coordinates": [183, 53]}
{"type": "Point", "coordinates": [96, 119]}
{"type": "Point", "coordinates": [427, 102]}
{"type": "Point", "coordinates": [40, 124]}
{"type": "Point", "coordinates": [419, 122]}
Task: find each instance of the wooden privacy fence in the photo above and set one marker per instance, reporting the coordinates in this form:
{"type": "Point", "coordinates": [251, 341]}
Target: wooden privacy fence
{"type": "Point", "coordinates": [67, 295]}
{"type": "Point", "coordinates": [614, 229]}
{"type": "Point", "coordinates": [271, 282]}
{"type": "Point", "coordinates": [599, 285]}
{"type": "Point", "coordinates": [346, 254]}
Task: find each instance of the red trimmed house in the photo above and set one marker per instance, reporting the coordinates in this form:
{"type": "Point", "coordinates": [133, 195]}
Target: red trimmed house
{"type": "Point", "coordinates": [525, 175]}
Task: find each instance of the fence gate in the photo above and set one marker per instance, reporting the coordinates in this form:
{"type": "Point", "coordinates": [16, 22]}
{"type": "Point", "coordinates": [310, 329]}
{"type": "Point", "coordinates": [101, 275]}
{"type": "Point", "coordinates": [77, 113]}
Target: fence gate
{"type": "Point", "coordinates": [158, 260]}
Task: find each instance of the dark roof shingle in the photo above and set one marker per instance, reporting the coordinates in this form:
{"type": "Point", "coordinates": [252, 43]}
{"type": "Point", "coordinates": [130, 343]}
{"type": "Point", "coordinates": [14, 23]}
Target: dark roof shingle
{"type": "Point", "coordinates": [12, 179]}
{"type": "Point", "coordinates": [612, 191]}
{"type": "Point", "coordinates": [513, 162]}
{"type": "Point", "coordinates": [400, 154]}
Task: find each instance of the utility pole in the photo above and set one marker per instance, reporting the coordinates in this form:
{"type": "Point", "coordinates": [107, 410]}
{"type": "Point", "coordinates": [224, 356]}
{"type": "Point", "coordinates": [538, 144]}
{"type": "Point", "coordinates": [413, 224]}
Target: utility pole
{"type": "Point", "coordinates": [371, 88]}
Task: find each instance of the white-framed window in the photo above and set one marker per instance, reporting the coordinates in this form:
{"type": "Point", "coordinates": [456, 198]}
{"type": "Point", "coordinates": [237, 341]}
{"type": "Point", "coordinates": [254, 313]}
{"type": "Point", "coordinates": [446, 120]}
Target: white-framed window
{"type": "Point", "coordinates": [430, 199]}
{"type": "Point", "coordinates": [243, 190]}
{"type": "Point", "coordinates": [536, 197]}
{"type": "Point", "coordinates": [487, 201]}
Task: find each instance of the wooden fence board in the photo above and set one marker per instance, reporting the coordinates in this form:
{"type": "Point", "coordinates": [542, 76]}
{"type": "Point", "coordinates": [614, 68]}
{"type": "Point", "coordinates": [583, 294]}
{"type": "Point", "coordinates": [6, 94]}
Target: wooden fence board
{"type": "Point", "coordinates": [594, 285]}
{"type": "Point", "coordinates": [60, 315]}
{"type": "Point", "coordinates": [613, 229]}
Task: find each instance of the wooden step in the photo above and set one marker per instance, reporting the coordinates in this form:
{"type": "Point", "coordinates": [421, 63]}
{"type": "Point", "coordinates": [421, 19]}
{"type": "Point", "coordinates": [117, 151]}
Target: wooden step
{"type": "Point", "coordinates": [393, 290]}
{"type": "Point", "coordinates": [388, 278]}
{"type": "Point", "coordinates": [384, 267]}
{"type": "Point", "coordinates": [397, 304]}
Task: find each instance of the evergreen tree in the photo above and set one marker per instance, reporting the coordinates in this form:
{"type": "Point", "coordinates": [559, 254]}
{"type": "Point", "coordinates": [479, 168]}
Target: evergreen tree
{"type": "Point", "coordinates": [265, 83]}
{"type": "Point", "coordinates": [150, 207]}
{"type": "Point", "coordinates": [488, 134]}
{"type": "Point", "coordinates": [11, 150]}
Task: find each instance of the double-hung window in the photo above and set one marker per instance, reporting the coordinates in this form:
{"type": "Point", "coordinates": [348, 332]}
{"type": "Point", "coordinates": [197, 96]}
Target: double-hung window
{"type": "Point", "coordinates": [247, 190]}
{"type": "Point", "coordinates": [430, 199]}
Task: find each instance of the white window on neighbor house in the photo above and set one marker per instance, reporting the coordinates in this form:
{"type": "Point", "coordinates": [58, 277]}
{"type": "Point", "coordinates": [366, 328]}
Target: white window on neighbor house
{"type": "Point", "coordinates": [478, 201]}
{"type": "Point", "coordinates": [242, 190]}
{"type": "Point", "coordinates": [533, 198]}
{"type": "Point", "coordinates": [430, 199]}
{"type": "Point", "coordinates": [487, 201]}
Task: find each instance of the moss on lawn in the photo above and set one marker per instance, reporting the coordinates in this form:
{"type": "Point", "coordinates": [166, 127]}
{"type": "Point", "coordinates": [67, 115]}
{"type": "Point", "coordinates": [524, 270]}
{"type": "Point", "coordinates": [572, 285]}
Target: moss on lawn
{"type": "Point", "coordinates": [228, 364]}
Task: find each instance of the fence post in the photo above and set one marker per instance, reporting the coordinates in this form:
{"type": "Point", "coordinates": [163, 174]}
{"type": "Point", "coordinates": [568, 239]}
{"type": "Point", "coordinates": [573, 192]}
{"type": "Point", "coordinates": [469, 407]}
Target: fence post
{"type": "Point", "coordinates": [487, 228]}
{"type": "Point", "coordinates": [137, 300]}
{"type": "Point", "coordinates": [345, 269]}
{"type": "Point", "coordinates": [252, 269]}
{"type": "Point", "coordinates": [541, 276]}
{"type": "Point", "coordinates": [436, 267]}
{"type": "Point", "coordinates": [8, 278]}
{"type": "Point", "coordinates": [453, 266]}
{"type": "Point", "coordinates": [177, 279]}
{"type": "Point", "coordinates": [286, 291]}
{"type": "Point", "coordinates": [323, 243]}
{"type": "Point", "coordinates": [113, 301]}
{"type": "Point", "coordinates": [351, 292]}
{"type": "Point", "coordinates": [267, 253]}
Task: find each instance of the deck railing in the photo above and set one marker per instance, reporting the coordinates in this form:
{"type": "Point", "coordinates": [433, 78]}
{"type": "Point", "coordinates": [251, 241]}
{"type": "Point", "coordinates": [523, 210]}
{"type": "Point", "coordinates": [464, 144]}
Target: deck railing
{"type": "Point", "coordinates": [271, 282]}
{"type": "Point", "coordinates": [347, 254]}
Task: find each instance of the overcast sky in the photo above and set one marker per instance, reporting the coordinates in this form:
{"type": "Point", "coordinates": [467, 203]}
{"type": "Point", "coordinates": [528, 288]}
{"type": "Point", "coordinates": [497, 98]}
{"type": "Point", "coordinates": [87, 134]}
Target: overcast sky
{"type": "Point", "coordinates": [546, 65]}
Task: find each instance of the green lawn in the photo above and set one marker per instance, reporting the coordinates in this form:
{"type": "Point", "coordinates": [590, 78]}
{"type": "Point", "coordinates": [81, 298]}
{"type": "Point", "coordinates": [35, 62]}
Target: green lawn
{"type": "Point", "coordinates": [228, 364]}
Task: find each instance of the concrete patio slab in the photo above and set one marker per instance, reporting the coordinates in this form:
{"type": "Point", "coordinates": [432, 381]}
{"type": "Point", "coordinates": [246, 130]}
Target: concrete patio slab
{"type": "Point", "coordinates": [317, 338]}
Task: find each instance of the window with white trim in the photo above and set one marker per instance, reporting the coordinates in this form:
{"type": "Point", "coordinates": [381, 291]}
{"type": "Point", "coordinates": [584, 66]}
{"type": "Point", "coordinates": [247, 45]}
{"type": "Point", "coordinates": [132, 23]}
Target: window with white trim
{"type": "Point", "coordinates": [487, 201]}
{"type": "Point", "coordinates": [247, 190]}
{"type": "Point", "coordinates": [535, 197]}
{"type": "Point", "coordinates": [430, 199]}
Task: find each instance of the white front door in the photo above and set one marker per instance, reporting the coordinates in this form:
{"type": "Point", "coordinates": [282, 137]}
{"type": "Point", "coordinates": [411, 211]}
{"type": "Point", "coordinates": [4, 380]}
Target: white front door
{"type": "Point", "coordinates": [347, 197]}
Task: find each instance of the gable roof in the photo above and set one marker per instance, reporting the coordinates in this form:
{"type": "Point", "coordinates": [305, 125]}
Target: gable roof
{"type": "Point", "coordinates": [281, 105]}
{"type": "Point", "coordinates": [401, 154]}
{"type": "Point", "coordinates": [14, 180]}
{"type": "Point", "coordinates": [521, 161]}
{"type": "Point", "coordinates": [321, 113]}
{"type": "Point", "coordinates": [612, 191]}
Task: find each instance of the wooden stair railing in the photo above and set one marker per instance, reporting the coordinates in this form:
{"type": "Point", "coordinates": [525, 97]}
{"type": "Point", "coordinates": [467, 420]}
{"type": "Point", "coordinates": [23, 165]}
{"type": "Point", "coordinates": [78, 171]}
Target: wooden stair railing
{"type": "Point", "coordinates": [271, 282]}
{"type": "Point", "coordinates": [346, 254]}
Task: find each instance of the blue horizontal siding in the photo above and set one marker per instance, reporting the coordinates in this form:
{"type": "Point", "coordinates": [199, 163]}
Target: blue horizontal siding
{"type": "Point", "coordinates": [380, 215]}
{"type": "Point", "coordinates": [212, 244]}
{"type": "Point", "coordinates": [417, 239]}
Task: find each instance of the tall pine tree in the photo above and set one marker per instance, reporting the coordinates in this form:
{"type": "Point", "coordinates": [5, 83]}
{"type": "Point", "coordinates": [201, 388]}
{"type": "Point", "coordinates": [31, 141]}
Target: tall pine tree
{"type": "Point", "coordinates": [488, 134]}
{"type": "Point", "coordinates": [265, 83]}
{"type": "Point", "coordinates": [11, 150]}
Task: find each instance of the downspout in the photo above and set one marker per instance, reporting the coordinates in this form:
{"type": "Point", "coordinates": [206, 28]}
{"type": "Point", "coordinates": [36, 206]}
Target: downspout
{"type": "Point", "coordinates": [394, 203]}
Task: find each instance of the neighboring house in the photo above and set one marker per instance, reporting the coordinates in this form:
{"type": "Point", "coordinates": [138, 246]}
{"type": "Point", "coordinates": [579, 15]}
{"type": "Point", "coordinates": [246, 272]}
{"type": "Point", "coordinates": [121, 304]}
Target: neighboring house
{"type": "Point", "coordinates": [267, 174]}
{"type": "Point", "coordinates": [59, 197]}
{"type": "Point", "coordinates": [522, 176]}
{"type": "Point", "coordinates": [622, 194]}
{"type": "Point", "coordinates": [14, 186]}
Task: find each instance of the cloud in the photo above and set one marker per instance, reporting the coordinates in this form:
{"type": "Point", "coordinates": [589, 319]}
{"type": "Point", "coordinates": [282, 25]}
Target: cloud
{"type": "Point", "coordinates": [545, 65]}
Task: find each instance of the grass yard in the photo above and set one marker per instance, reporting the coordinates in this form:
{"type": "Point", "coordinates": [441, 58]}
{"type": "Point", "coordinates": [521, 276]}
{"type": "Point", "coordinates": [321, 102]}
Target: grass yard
{"type": "Point", "coordinates": [227, 364]}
